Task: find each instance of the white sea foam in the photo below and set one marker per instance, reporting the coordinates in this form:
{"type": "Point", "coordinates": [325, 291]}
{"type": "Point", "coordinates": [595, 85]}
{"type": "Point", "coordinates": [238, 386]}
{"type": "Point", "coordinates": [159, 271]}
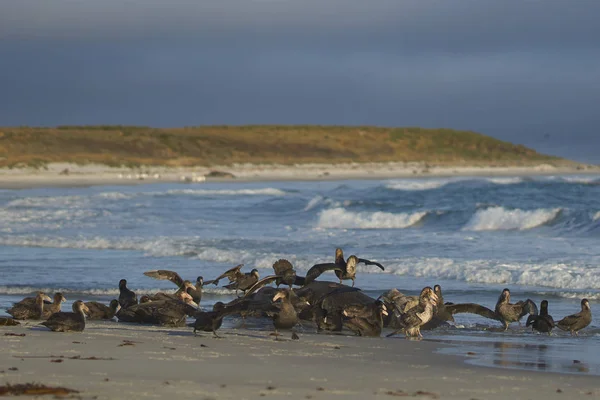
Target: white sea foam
{"type": "Point", "coordinates": [342, 218]}
{"type": "Point", "coordinates": [227, 192]}
{"type": "Point", "coordinates": [572, 276]}
{"type": "Point", "coordinates": [505, 180]}
{"type": "Point", "coordinates": [114, 196]}
{"type": "Point", "coordinates": [418, 184]}
{"type": "Point", "coordinates": [44, 202]}
{"type": "Point", "coordinates": [596, 216]}
{"type": "Point", "coordinates": [573, 295]}
{"type": "Point", "coordinates": [318, 200]}
{"type": "Point", "coordinates": [581, 179]}
{"type": "Point", "coordinates": [499, 218]}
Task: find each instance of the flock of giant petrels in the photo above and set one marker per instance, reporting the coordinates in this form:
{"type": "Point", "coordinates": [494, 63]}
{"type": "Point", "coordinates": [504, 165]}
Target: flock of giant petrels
{"type": "Point", "coordinates": [331, 306]}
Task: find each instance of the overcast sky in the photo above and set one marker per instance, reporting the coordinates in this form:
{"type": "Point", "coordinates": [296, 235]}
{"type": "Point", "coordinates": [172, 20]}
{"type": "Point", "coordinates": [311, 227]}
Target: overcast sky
{"type": "Point", "coordinates": [526, 71]}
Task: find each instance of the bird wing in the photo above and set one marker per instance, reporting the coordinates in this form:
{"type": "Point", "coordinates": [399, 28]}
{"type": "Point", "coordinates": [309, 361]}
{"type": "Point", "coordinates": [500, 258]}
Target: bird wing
{"type": "Point", "coordinates": [316, 270]}
{"type": "Point", "coordinates": [355, 310]}
{"type": "Point", "coordinates": [568, 321]}
{"type": "Point", "coordinates": [369, 262]}
{"type": "Point", "coordinates": [528, 307]}
{"type": "Point", "coordinates": [300, 281]}
{"type": "Point", "coordinates": [164, 274]}
{"type": "Point", "coordinates": [230, 273]}
{"type": "Point", "coordinates": [281, 266]}
{"type": "Point", "coordinates": [411, 318]}
{"type": "Point", "coordinates": [472, 308]}
{"type": "Point", "coordinates": [264, 281]}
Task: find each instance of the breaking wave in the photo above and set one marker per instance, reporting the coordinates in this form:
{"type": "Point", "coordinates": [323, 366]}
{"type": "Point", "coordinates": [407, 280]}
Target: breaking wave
{"type": "Point", "coordinates": [418, 184]}
{"type": "Point", "coordinates": [342, 218]}
{"type": "Point", "coordinates": [581, 179]}
{"type": "Point", "coordinates": [554, 275]}
{"type": "Point", "coordinates": [596, 216]}
{"type": "Point", "coordinates": [499, 218]}
{"type": "Point", "coordinates": [505, 180]}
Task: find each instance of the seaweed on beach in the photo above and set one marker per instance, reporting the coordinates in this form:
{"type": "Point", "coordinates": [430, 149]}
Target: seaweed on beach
{"type": "Point", "coordinates": [14, 334]}
{"type": "Point", "coordinates": [34, 389]}
{"type": "Point", "coordinates": [70, 358]}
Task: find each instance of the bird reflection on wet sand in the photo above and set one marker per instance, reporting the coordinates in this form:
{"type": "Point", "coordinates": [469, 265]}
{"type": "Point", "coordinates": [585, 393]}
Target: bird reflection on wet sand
{"type": "Point", "coordinates": [535, 357]}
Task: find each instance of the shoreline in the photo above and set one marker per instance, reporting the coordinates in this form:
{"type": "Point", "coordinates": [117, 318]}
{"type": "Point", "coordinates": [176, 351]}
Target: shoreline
{"type": "Point", "coordinates": [142, 361]}
{"type": "Point", "coordinates": [71, 175]}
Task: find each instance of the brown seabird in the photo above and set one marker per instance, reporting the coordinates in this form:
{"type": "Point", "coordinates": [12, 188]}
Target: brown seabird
{"type": "Point", "coordinates": [576, 322]}
{"type": "Point", "coordinates": [68, 321]}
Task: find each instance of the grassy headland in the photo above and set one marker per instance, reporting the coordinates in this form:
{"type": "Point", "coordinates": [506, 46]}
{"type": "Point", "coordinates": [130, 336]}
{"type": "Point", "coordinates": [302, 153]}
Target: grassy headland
{"type": "Point", "coordinates": [256, 144]}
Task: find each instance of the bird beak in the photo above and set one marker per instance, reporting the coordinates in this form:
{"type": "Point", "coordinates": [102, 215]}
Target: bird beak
{"type": "Point", "coordinates": [63, 299]}
{"type": "Point", "coordinates": [86, 310]}
{"type": "Point", "coordinates": [384, 310]}
{"type": "Point", "coordinates": [434, 299]}
{"type": "Point", "coordinates": [278, 295]}
{"type": "Point", "coordinates": [47, 298]}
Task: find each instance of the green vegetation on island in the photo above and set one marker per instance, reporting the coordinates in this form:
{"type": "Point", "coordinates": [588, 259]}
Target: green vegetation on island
{"type": "Point", "coordinates": [256, 144]}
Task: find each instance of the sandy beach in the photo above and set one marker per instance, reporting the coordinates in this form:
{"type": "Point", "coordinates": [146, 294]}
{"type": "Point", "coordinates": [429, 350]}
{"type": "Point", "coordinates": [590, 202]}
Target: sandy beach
{"type": "Point", "coordinates": [136, 361]}
{"type": "Point", "coordinates": [58, 174]}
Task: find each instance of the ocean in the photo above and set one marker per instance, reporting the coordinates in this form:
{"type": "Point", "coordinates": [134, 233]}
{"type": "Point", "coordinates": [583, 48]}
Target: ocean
{"type": "Point", "coordinates": [537, 236]}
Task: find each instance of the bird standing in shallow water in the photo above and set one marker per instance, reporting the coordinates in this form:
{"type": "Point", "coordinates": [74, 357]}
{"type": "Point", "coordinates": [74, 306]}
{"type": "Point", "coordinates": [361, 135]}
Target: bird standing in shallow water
{"type": "Point", "coordinates": [542, 322]}
{"type": "Point", "coordinates": [412, 320]}
{"type": "Point", "coordinates": [576, 322]}
{"type": "Point", "coordinates": [508, 312]}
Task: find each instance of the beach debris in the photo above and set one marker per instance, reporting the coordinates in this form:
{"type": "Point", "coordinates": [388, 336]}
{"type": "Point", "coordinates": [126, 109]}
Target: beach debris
{"type": "Point", "coordinates": [34, 389]}
{"type": "Point", "coordinates": [106, 379]}
{"type": "Point", "coordinates": [169, 348]}
{"type": "Point", "coordinates": [14, 334]}
{"type": "Point", "coordinates": [219, 174]}
{"type": "Point", "coordinates": [559, 390]}
{"type": "Point", "coordinates": [64, 172]}
{"type": "Point", "coordinates": [94, 358]}
{"type": "Point", "coordinates": [320, 389]}
{"type": "Point", "coordinates": [471, 353]}
{"type": "Point", "coordinates": [13, 369]}
{"type": "Point", "coordinates": [127, 343]}
{"type": "Point", "coordinates": [57, 360]}
{"type": "Point", "coordinates": [418, 393]}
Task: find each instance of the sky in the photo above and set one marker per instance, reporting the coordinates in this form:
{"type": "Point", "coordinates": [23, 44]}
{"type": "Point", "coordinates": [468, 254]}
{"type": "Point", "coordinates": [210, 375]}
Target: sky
{"type": "Point", "coordinates": [527, 71]}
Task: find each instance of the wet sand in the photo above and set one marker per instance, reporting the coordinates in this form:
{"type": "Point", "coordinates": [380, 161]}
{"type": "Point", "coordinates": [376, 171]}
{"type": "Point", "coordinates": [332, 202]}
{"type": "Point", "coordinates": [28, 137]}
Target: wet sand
{"type": "Point", "coordinates": [56, 174]}
{"type": "Point", "coordinates": [152, 362]}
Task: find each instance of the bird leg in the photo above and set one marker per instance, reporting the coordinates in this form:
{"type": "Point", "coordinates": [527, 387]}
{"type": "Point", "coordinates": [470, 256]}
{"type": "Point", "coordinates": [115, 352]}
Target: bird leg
{"type": "Point", "coordinates": [276, 334]}
{"type": "Point", "coordinates": [295, 336]}
{"type": "Point", "coordinates": [352, 282]}
{"type": "Point", "coordinates": [217, 336]}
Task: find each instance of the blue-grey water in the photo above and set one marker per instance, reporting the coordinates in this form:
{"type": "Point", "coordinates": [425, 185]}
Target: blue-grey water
{"type": "Point", "coordinates": [537, 236]}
